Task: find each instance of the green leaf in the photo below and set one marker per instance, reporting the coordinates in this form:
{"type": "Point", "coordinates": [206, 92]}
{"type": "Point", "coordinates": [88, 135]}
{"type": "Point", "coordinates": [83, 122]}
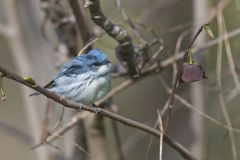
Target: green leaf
{"type": "Point", "coordinates": [29, 80]}
{"type": "Point", "coordinates": [190, 60]}
{"type": "Point", "coordinates": [208, 30]}
{"type": "Point", "coordinates": [3, 96]}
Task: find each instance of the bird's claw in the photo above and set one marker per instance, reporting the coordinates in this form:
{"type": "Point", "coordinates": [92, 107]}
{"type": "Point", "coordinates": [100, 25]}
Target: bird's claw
{"type": "Point", "coordinates": [62, 98]}
{"type": "Point", "coordinates": [97, 110]}
{"type": "Point", "coordinates": [81, 107]}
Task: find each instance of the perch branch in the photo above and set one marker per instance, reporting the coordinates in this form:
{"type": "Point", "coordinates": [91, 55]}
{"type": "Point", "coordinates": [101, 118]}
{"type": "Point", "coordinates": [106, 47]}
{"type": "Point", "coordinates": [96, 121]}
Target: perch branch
{"type": "Point", "coordinates": [129, 122]}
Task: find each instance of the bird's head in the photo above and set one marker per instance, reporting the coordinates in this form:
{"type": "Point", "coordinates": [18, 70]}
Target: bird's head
{"type": "Point", "coordinates": [98, 62]}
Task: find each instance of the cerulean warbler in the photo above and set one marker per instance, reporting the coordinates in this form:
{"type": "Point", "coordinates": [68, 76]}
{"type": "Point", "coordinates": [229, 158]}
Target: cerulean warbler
{"type": "Point", "coordinates": [84, 79]}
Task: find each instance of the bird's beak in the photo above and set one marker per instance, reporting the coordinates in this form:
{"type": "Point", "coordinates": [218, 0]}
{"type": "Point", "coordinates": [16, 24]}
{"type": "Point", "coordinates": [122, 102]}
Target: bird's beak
{"type": "Point", "coordinates": [107, 61]}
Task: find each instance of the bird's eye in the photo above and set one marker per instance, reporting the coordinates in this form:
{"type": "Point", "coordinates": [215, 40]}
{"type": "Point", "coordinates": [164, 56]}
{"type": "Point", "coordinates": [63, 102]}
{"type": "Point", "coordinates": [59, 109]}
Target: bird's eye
{"type": "Point", "coordinates": [96, 64]}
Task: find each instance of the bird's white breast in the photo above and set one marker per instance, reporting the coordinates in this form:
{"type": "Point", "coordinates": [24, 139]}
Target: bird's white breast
{"type": "Point", "coordinates": [83, 88]}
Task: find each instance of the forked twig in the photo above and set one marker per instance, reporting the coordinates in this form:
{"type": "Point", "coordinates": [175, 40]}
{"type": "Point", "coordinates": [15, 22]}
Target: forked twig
{"type": "Point", "coordinates": [168, 105]}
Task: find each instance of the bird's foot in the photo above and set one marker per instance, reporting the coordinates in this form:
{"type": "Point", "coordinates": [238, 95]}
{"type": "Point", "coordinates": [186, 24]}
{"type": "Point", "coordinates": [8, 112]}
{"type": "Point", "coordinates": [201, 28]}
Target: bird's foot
{"type": "Point", "coordinates": [62, 98]}
{"type": "Point", "coordinates": [81, 107]}
{"type": "Point", "coordinates": [96, 108]}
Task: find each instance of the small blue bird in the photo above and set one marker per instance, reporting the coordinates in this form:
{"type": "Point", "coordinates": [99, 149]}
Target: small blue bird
{"type": "Point", "coordinates": [83, 79]}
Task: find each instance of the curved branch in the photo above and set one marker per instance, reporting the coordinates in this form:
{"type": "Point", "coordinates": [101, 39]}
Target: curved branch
{"type": "Point", "coordinates": [126, 48]}
{"type": "Point", "coordinates": [129, 122]}
{"type": "Point", "coordinates": [168, 105]}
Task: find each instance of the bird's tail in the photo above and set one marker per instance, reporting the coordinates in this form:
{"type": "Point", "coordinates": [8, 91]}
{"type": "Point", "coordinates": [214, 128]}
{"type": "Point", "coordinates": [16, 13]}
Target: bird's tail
{"type": "Point", "coordinates": [34, 94]}
{"type": "Point", "coordinates": [37, 93]}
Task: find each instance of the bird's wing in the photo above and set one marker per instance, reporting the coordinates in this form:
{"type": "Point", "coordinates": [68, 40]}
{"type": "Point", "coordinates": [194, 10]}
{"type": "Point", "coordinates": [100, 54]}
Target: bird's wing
{"type": "Point", "coordinates": [72, 68]}
{"type": "Point", "coordinates": [49, 85]}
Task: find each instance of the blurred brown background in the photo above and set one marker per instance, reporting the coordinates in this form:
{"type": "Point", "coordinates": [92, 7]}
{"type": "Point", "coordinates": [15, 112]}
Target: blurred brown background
{"type": "Point", "coordinates": [25, 51]}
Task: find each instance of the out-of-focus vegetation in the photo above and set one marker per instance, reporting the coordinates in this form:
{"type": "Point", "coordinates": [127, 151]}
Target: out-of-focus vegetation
{"type": "Point", "coordinates": [32, 54]}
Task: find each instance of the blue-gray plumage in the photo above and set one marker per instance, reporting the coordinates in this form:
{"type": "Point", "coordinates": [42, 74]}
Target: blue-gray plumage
{"type": "Point", "coordinates": [84, 79]}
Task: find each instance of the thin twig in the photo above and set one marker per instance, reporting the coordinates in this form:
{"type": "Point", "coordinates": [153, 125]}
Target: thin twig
{"type": "Point", "coordinates": [158, 67]}
{"type": "Point", "coordinates": [71, 123]}
{"type": "Point", "coordinates": [118, 140]}
{"type": "Point", "coordinates": [150, 142]}
{"type": "Point", "coordinates": [195, 108]}
{"type": "Point", "coordinates": [74, 143]}
{"type": "Point", "coordinates": [173, 90]}
{"type": "Point", "coordinates": [178, 47]}
{"type": "Point", "coordinates": [168, 105]}
{"type": "Point", "coordinates": [231, 62]}
{"type": "Point", "coordinates": [115, 128]}
{"type": "Point", "coordinates": [161, 135]}
{"type": "Point", "coordinates": [196, 49]}
{"type": "Point", "coordinates": [131, 24]}
{"type": "Point", "coordinates": [46, 121]}
{"type": "Point", "coordinates": [178, 56]}
{"type": "Point", "coordinates": [133, 141]}
{"type": "Point", "coordinates": [219, 85]}
{"type": "Point", "coordinates": [87, 45]}
{"type": "Point", "coordinates": [116, 90]}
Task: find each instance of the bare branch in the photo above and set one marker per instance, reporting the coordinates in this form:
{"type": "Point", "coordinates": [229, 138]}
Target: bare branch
{"type": "Point", "coordinates": [131, 24]}
{"type": "Point", "coordinates": [169, 102]}
{"type": "Point", "coordinates": [231, 62]}
{"type": "Point", "coordinates": [206, 45]}
{"type": "Point", "coordinates": [159, 67]}
{"type": "Point", "coordinates": [195, 108]}
{"type": "Point", "coordinates": [125, 48]}
{"type": "Point", "coordinates": [133, 140]}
